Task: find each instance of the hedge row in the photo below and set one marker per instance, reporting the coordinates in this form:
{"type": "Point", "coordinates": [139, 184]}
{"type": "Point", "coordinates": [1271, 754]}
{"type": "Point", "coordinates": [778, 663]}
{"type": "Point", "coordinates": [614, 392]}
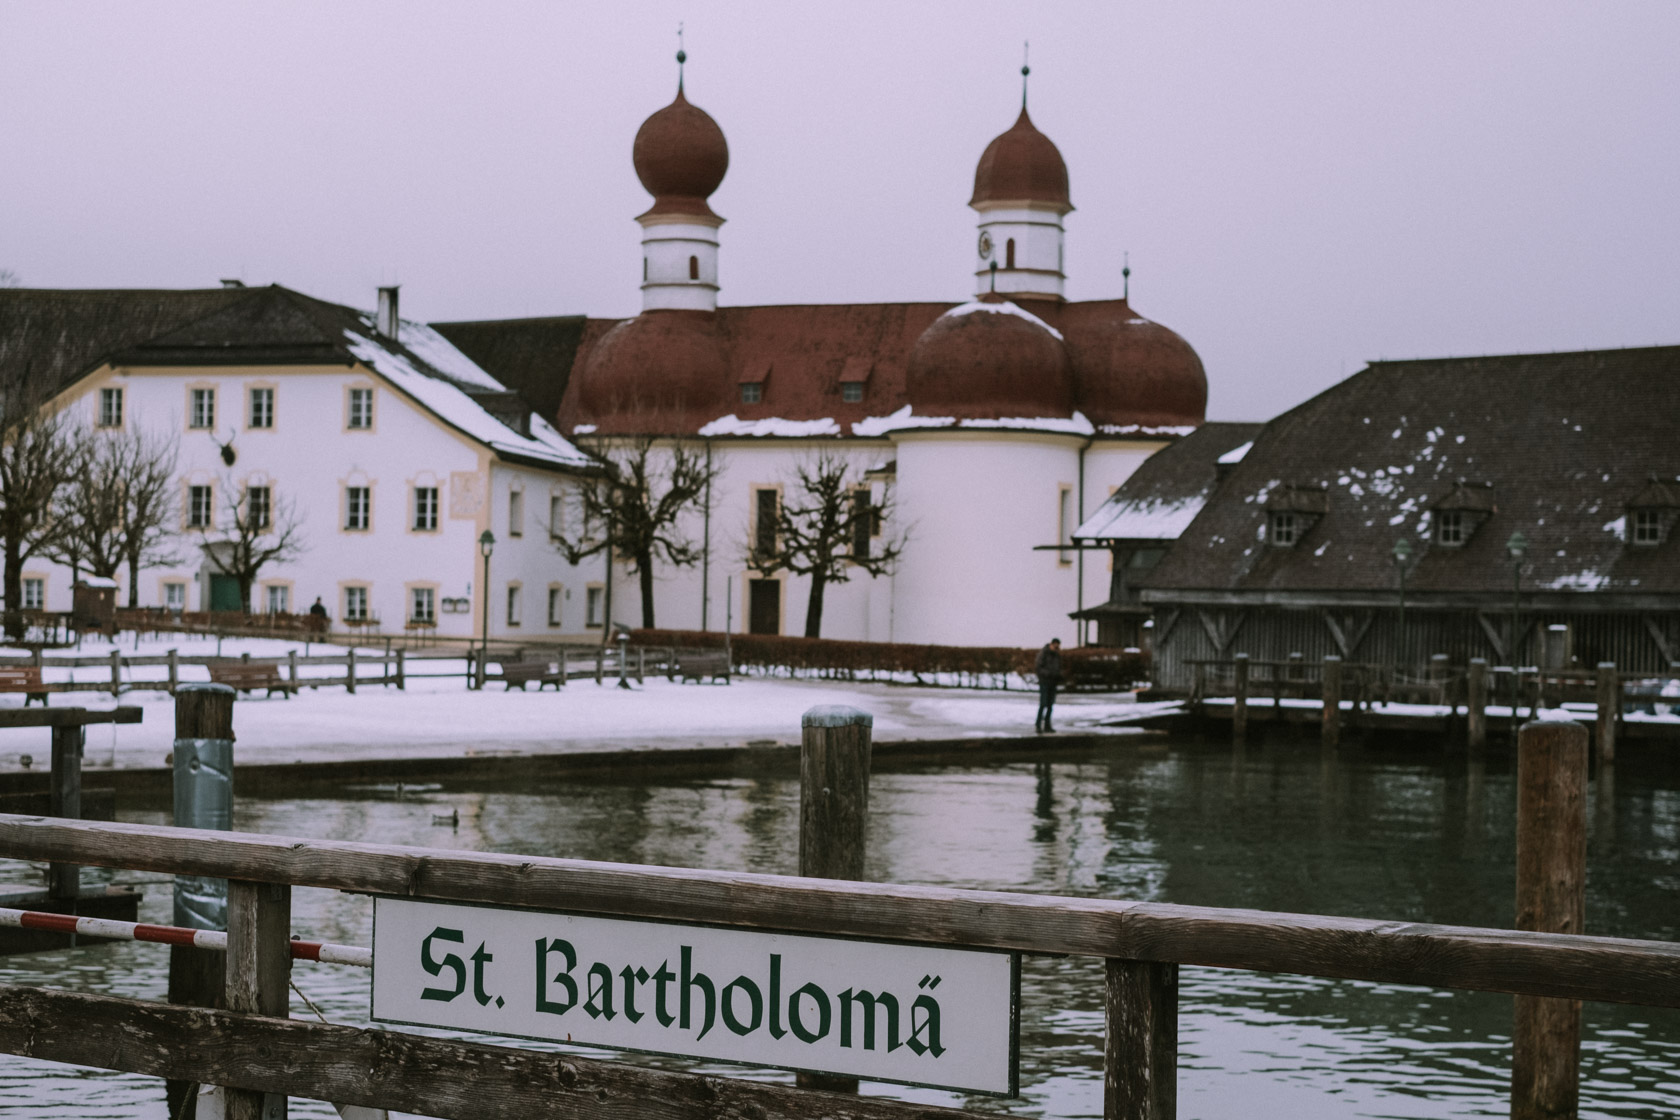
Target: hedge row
{"type": "Point", "coordinates": [971, 666]}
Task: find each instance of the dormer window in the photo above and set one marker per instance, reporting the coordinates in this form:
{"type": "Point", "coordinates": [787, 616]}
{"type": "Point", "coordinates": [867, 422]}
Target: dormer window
{"type": "Point", "coordinates": [1461, 512]}
{"type": "Point", "coordinates": [1291, 513]}
{"type": "Point", "coordinates": [1652, 511]}
{"type": "Point", "coordinates": [853, 378]}
{"type": "Point", "coordinates": [752, 381]}
{"type": "Point", "coordinates": [752, 392]}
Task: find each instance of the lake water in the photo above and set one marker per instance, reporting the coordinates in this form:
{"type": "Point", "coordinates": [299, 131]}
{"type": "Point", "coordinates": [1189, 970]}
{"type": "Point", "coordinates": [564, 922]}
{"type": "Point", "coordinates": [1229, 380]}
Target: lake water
{"type": "Point", "coordinates": [1405, 836]}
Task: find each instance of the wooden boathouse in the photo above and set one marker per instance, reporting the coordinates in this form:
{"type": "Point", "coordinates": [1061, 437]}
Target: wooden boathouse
{"type": "Point", "coordinates": [1519, 509]}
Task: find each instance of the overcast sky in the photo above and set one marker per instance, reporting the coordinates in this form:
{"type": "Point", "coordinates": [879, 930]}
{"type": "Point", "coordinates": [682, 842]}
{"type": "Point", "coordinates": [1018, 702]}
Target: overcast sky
{"type": "Point", "coordinates": [1302, 186]}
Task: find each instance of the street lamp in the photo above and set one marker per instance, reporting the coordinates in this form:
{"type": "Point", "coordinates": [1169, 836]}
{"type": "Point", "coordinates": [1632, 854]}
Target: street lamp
{"type": "Point", "coordinates": [486, 545]}
{"type": "Point", "coordinates": [1402, 553]}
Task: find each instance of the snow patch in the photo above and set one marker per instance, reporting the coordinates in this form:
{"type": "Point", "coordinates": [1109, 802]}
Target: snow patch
{"type": "Point", "coordinates": [977, 307]}
{"type": "Point", "coordinates": [1580, 581]}
{"type": "Point", "coordinates": [906, 419]}
{"type": "Point", "coordinates": [1147, 429]}
{"type": "Point", "coordinates": [1235, 455]}
{"type": "Point", "coordinates": [1141, 520]}
{"type": "Point", "coordinates": [771, 426]}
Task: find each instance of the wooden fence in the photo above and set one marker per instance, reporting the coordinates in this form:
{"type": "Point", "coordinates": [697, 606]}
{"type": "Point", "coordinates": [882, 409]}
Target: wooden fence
{"type": "Point", "coordinates": [1143, 943]}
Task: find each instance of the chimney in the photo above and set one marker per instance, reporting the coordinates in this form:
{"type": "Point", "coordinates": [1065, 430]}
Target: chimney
{"type": "Point", "coordinates": [387, 321]}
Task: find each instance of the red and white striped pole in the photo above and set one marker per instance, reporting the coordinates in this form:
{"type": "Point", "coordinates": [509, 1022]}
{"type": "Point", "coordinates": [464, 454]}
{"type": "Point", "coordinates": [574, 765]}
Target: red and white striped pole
{"type": "Point", "coordinates": [215, 940]}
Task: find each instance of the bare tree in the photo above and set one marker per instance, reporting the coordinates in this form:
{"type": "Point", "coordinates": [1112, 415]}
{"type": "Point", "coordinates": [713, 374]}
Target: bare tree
{"type": "Point", "coordinates": [632, 510]}
{"type": "Point", "coordinates": [827, 528]}
{"type": "Point", "coordinates": [9, 279]}
{"type": "Point", "coordinates": [120, 510]}
{"type": "Point", "coordinates": [41, 452]}
{"type": "Point", "coordinates": [257, 530]}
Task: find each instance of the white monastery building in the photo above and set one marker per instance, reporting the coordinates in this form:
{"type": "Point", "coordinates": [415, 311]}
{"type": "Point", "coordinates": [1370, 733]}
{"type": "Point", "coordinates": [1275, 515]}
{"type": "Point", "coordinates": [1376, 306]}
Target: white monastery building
{"type": "Point", "coordinates": [990, 429]}
{"type": "Point", "coordinates": [390, 451]}
{"type": "Point", "coordinates": [994, 426]}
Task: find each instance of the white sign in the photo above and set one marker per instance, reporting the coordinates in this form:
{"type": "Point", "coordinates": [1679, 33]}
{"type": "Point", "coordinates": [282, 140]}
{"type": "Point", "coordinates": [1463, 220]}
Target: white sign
{"type": "Point", "coordinates": [916, 1014]}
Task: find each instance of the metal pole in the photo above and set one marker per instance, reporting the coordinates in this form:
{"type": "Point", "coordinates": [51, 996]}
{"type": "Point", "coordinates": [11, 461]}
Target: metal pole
{"type": "Point", "coordinates": [484, 645]}
{"type": "Point", "coordinates": [1400, 638]}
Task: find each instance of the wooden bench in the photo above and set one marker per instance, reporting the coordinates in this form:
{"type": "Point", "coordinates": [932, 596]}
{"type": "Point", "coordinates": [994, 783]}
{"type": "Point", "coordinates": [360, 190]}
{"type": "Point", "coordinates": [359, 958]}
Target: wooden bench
{"type": "Point", "coordinates": [702, 665]}
{"type": "Point", "coordinates": [27, 680]}
{"type": "Point", "coordinates": [522, 673]}
{"type": "Point", "coordinates": [248, 676]}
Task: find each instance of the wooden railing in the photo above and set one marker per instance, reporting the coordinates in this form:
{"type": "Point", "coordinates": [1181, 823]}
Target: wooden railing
{"type": "Point", "coordinates": [1143, 944]}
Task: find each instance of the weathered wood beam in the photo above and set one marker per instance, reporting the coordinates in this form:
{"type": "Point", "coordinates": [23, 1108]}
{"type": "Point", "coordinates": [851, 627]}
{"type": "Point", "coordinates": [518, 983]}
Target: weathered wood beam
{"type": "Point", "coordinates": [387, 1069]}
{"type": "Point", "coordinates": [1616, 970]}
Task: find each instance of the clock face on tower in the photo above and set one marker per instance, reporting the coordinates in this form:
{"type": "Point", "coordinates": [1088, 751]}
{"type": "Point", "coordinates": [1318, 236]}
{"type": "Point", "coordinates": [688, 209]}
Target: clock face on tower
{"type": "Point", "coordinates": [985, 244]}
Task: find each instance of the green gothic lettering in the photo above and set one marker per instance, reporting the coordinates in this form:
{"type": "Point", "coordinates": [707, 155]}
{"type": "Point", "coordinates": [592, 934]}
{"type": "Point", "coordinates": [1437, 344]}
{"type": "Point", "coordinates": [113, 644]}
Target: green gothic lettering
{"type": "Point", "coordinates": [563, 978]}
{"type": "Point", "coordinates": [825, 1014]}
{"type": "Point", "coordinates": [868, 1002]}
{"type": "Point", "coordinates": [600, 1001]}
{"type": "Point", "coordinates": [924, 1019]}
{"type": "Point", "coordinates": [755, 1000]}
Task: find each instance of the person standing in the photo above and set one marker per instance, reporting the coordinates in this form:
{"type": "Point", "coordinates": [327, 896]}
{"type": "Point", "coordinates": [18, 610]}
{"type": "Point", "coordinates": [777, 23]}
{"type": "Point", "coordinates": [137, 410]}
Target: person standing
{"type": "Point", "coordinates": [1049, 668]}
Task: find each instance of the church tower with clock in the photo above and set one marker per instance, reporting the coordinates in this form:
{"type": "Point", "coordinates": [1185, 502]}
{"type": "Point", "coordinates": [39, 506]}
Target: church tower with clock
{"type": "Point", "coordinates": [1021, 195]}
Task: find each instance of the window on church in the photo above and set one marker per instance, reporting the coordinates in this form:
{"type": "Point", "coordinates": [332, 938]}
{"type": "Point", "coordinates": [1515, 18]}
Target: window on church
{"type": "Point", "coordinates": [694, 268]}
{"type": "Point", "coordinates": [1009, 253]}
{"type": "Point", "coordinates": [1647, 526]}
{"type": "Point", "coordinates": [1286, 528]}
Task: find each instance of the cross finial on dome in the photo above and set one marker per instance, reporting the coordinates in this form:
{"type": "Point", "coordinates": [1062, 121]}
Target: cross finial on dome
{"type": "Point", "coordinates": [1126, 275]}
{"type": "Point", "coordinates": [682, 57]}
{"type": "Point", "coordinates": [1025, 70]}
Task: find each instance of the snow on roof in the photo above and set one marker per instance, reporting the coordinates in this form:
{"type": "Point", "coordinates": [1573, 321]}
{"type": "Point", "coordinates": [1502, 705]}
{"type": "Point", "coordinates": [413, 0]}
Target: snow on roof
{"type": "Point", "coordinates": [905, 419]}
{"type": "Point", "coordinates": [1004, 308]}
{"type": "Point", "coordinates": [97, 581]}
{"type": "Point", "coordinates": [1235, 455]}
{"type": "Point", "coordinates": [446, 400]}
{"type": "Point", "coordinates": [733, 425]}
{"type": "Point", "coordinates": [1147, 429]}
{"type": "Point", "coordinates": [1140, 520]}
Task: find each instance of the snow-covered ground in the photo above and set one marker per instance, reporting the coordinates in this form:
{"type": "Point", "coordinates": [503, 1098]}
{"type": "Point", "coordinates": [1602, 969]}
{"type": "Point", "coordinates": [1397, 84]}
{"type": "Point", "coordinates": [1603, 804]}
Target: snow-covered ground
{"type": "Point", "coordinates": [441, 718]}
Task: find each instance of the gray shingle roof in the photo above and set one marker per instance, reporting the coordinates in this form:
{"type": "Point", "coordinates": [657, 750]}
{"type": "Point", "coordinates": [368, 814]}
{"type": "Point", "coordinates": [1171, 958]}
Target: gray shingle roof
{"type": "Point", "coordinates": [1163, 496]}
{"type": "Point", "coordinates": [1556, 444]}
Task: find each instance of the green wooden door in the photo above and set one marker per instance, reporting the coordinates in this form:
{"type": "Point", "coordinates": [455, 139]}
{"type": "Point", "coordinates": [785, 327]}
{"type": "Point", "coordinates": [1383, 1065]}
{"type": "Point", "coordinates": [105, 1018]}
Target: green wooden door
{"type": "Point", "coordinates": [224, 594]}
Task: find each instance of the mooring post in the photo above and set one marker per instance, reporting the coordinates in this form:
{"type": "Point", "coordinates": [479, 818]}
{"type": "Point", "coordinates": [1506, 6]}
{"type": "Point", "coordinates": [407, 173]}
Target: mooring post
{"type": "Point", "coordinates": [203, 799]}
{"type": "Point", "coordinates": [1609, 710]}
{"type": "Point", "coordinates": [350, 679]}
{"type": "Point", "coordinates": [291, 667]}
{"type": "Point", "coordinates": [1239, 699]}
{"type": "Point", "coordinates": [1475, 705]}
{"type": "Point", "coordinates": [64, 880]}
{"type": "Point", "coordinates": [1331, 729]}
{"type": "Point", "coordinates": [833, 812]}
{"type": "Point", "coordinates": [259, 968]}
{"type": "Point", "coordinates": [174, 670]}
{"type": "Point", "coordinates": [116, 672]}
{"type": "Point", "coordinates": [1140, 1059]}
{"type": "Point", "coordinates": [1551, 898]}
{"type": "Point", "coordinates": [600, 662]}
{"type": "Point", "coordinates": [402, 681]}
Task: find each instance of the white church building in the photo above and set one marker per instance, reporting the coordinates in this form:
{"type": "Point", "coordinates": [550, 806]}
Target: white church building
{"type": "Point", "coordinates": [995, 425]}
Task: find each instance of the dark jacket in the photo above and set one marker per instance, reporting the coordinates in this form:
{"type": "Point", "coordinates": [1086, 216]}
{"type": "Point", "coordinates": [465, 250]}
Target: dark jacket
{"type": "Point", "coordinates": [1049, 666]}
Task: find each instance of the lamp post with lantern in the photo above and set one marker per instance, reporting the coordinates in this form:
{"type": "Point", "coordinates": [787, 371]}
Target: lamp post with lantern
{"type": "Point", "coordinates": [1516, 548]}
{"type": "Point", "coordinates": [1402, 552]}
{"type": "Point", "coordinates": [486, 545]}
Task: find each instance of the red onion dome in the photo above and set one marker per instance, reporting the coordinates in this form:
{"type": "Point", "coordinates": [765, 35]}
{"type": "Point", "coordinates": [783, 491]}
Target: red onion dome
{"type": "Point", "coordinates": [1022, 165]}
{"type": "Point", "coordinates": [681, 157]}
{"type": "Point", "coordinates": [990, 360]}
{"type": "Point", "coordinates": [1130, 370]}
{"type": "Point", "coordinates": [653, 373]}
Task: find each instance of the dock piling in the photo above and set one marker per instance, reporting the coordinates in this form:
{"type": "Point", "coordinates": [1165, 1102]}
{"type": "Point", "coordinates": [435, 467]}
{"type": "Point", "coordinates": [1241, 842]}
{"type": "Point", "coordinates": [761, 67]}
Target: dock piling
{"type": "Point", "coordinates": [1331, 728]}
{"type": "Point", "coordinates": [259, 966]}
{"type": "Point", "coordinates": [834, 758]}
{"type": "Point", "coordinates": [64, 880]}
{"type": "Point", "coordinates": [1551, 898]}
{"type": "Point", "coordinates": [1609, 710]}
{"type": "Point", "coordinates": [1475, 715]}
{"type": "Point", "coordinates": [1239, 699]}
{"type": "Point", "coordinates": [1140, 1058]}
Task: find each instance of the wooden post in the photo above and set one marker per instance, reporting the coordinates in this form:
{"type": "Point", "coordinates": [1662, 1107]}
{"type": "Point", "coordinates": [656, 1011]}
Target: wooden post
{"type": "Point", "coordinates": [259, 965]}
{"type": "Point", "coordinates": [641, 663]}
{"type": "Point", "coordinates": [1140, 1061]}
{"type": "Point", "coordinates": [1475, 706]}
{"type": "Point", "coordinates": [402, 673]}
{"type": "Point", "coordinates": [1551, 898]}
{"type": "Point", "coordinates": [600, 662]}
{"type": "Point", "coordinates": [64, 880]}
{"type": "Point", "coordinates": [203, 799]}
{"type": "Point", "coordinates": [1239, 699]}
{"type": "Point", "coordinates": [1331, 729]}
{"type": "Point", "coordinates": [174, 670]}
{"type": "Point", "coordinates": [1198, 686]}
{"type": "Point", "coordinates": [291, 667]}
{"type": "Point", "coordinates": [1609, 710]}
{"type": "Point", "coordinates": [562, 658]}
{"type": "Point", "coordinates": [833, 812]}
{"type": "Point", "coordinates": [350, 680]}
{"type": "Point", "coordinates": [116, 673]}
